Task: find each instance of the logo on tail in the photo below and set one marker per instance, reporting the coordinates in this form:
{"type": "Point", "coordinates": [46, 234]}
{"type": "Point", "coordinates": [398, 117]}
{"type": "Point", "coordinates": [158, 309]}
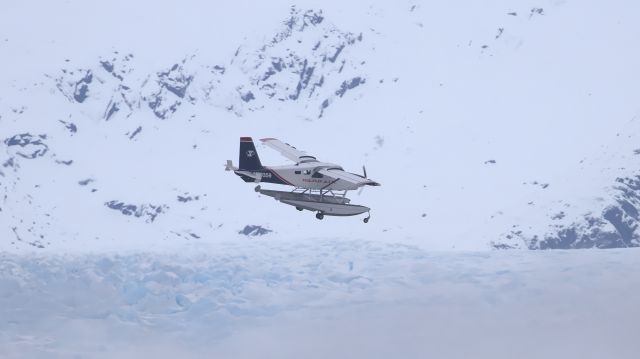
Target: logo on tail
{"type": "Point", "coordinates": [249, 159]}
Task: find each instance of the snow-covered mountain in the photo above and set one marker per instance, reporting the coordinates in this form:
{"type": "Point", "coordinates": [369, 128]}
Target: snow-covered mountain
{"type": "Point", "coordinates": [489, 125]}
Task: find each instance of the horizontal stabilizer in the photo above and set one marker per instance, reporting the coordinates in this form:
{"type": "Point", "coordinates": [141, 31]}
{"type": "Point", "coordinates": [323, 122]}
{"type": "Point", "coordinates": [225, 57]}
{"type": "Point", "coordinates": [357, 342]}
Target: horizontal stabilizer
{"type": "Point", "coordinates": [229, 166]}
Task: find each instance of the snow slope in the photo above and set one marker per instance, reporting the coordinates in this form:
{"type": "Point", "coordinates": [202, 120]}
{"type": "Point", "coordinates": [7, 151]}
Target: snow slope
{"type": "Point", "coordinates": [493, 124]}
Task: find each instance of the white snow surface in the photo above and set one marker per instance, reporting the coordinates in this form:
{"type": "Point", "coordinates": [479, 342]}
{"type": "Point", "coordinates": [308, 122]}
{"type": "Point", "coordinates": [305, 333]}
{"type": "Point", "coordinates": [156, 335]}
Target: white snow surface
{"type": "Point", "coordinates": [546, 89]}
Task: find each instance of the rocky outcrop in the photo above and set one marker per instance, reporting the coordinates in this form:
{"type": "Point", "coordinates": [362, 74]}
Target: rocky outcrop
{"type": "Point", "coordinates": [148, 212]}
{"type": "Point", "coordinates": [309, 61]}
{"type": "Point", "coordinates": [172, 89]}
{"type": "Point", "coordinates": [305, 61]}
{"type": "Point", "coordinates": [614, 226]}
{"type": "Point", "coordinates": [254, 231]}
{"type": "Point", "coordinates": [27, 145]}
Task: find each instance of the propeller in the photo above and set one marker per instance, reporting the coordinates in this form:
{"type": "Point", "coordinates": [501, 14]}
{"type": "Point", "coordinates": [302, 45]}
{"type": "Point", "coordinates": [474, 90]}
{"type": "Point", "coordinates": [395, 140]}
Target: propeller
{"type": "Point", "coordinates": [364, 172]}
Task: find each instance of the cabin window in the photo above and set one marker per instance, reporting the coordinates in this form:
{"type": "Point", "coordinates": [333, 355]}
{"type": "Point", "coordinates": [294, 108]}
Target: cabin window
{"type": "Point", "coordinates": [307, 172]}
{"type": "Point", "coordinates": [297, 172]}
{"type": "Point", "coordinates": [317, 175]}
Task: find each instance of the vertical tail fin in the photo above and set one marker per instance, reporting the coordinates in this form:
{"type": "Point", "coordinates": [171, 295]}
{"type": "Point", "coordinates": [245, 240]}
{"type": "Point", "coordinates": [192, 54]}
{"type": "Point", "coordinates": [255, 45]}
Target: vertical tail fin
{"type": "Point", "coordinates": [249, 159]}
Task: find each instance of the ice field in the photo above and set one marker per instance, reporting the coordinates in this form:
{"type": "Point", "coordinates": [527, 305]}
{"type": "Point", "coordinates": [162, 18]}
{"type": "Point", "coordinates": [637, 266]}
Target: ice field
{"type": "Point", "coordinates": [320, 298]}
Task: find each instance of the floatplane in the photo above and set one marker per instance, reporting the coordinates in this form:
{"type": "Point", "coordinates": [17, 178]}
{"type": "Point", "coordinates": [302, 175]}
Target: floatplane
{"type": "Point", "coordinates": [319, 187]}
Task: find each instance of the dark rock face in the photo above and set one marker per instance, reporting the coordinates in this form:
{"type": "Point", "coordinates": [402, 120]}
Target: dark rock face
{"type": "Point", "coordinates": [175, 80]}
{"type": "Point", "coordinates": [188, 198]}
{"type": "Point", "coordinates": [70, 126]}
{"type": "Point", "coordinates": [112, 108]}
{"type": "Point", "coordinates": [536, 11]}
{"type": "Point", "coordinates": [349, 85]}
{"type": "Point", "coordinates": [85, 182]}
{"type": "Point", "coordinates": [308, 61]}
{"type": "Point", "coordinates": [9, 163]}
{"type": "Point", "coordinates": [298, 21]}
{"type": "Point", "coordinates": [323, 106]}
{"type": "Point", "coordinates": [28, 146]}
{"type": "Point", "coordinates": [117, 66]}
{"type": "Point", "coordinates": [82, 87]}
{"type": "Point", "coordinates": [76, 85]}
{"type": "Point", "coordinates": [247, 96]}
{"type": "Point", "coordinates": [107, 66]}
{"type": "Point", "coordinates": [253, 231]}
{"type": "Point", "coordinates": [173, 85]}
{"type": "Point", "coordinates": [502, 246]}
{"type": "Point", "coordinates": [135, 132]}
{"type": "Point", "coordinates": [219, 69]}
{"type": "Point", "coordinates": [147, 211]}
{"type": "Point", "coordinates": [291, 68]}
{"type": "Point", "coordinates": [615, 227]}
{"type": "Point", "coordinates": [35, 243]}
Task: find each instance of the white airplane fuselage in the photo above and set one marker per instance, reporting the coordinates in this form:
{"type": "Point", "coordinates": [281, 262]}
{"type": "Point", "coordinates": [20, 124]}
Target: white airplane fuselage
{"type": "Point", "coordinates": [317, 179]}
{"type": "Point", "coordinates": [307, 173]}
{"type": "Point", "coordinates": [302, 175]}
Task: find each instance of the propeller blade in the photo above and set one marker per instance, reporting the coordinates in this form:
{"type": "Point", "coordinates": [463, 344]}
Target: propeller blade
{"type": "Point", "coordinates": [364, 172]}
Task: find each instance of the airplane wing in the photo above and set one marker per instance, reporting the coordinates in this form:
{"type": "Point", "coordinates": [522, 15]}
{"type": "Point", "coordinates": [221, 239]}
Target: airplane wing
{"type": "Point", "coordinates": [288, 151]}
{"type": "Point", "coordinates": [346, 176]}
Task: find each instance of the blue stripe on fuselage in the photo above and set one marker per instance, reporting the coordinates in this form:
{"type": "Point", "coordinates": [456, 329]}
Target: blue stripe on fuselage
{"type": "Point", "coordinates": [268, 176]}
